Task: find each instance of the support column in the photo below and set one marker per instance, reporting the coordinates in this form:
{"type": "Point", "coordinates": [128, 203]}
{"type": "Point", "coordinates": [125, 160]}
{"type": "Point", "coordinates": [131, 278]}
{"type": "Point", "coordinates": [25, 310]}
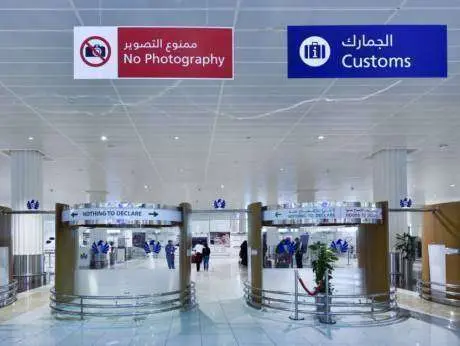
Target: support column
{"type": "Point", "coordinates": [185, 254]}
{"type": "Point", "coordinates": [306, 195]}
{"type": "Point", "coordinates": [416, 219]}
{"type": "Point", "coordinates": [390, 184]}
{"type": "Point", "coordinates": [27, 230]}
{"type": "Point", "coordinates": [255, 252]}
{"type": "Point", "coordinates": [96, 196]}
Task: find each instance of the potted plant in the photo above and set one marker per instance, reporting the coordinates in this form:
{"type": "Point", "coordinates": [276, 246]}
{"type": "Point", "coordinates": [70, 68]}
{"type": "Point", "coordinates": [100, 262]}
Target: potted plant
{"type": "Point", "coordinates": [406, 244]}
{"type": "Point", "coordinates": [323, 265]}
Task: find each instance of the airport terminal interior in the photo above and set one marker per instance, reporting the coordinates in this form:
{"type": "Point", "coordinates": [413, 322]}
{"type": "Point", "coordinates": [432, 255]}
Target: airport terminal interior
{"type": "Point", "coordinates": [229, 172]}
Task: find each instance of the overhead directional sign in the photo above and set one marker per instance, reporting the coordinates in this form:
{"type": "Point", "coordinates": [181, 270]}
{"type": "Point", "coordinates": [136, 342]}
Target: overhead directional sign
{"type": "Point", "coordinates": [120, 215]}
{"type": "Point", "coordinates": [367, 51]}
{"type": "Point", "coordinates": [153, 52]}
{"type": "Point", "coordinates": [320, 214]}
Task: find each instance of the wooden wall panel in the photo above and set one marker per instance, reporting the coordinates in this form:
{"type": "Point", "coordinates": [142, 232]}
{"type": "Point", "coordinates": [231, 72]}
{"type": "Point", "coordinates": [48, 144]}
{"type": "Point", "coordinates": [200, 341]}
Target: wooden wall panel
{"type": "Point", "coordinates": [442, 227]}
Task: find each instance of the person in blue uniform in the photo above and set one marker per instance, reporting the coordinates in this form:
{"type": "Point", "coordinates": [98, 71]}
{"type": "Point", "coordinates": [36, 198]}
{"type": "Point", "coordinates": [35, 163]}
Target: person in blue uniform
{"type": "Point", "coordinates": [170, 249]}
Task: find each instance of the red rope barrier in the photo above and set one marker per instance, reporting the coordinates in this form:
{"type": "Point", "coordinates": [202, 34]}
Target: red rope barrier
{"type": "Point", "coordinates": [315, 292]}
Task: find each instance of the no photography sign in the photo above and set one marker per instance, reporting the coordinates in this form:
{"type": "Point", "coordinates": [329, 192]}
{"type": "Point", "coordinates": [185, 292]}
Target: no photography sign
{"type": "Point", "coordinates": [95, 51]}
{"type": "Point", "coordinates": [153, 52]}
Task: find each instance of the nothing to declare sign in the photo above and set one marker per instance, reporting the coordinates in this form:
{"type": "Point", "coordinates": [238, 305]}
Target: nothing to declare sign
{"type": "Point", "coordinates": [153, 52]}
{"type": "Point", "coordinates": [367, 51]}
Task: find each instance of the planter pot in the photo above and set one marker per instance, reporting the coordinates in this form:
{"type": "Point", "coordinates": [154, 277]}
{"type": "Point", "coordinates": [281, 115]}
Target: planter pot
{"type": "Point", "coordinates": [100, 261]}
{"type": "Point", "coordinates": [113, 258]}
{"type": "Point", "coordinates": [323, 311]}
{"type": "Point", "coordinates": [407, 269]}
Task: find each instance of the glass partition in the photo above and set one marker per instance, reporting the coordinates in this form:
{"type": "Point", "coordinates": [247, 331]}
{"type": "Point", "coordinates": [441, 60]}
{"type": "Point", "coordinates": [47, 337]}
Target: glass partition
{"type": "Point", "coordinates": [116, 262]}
{"type": "Point", "coordinates": [286, 249]}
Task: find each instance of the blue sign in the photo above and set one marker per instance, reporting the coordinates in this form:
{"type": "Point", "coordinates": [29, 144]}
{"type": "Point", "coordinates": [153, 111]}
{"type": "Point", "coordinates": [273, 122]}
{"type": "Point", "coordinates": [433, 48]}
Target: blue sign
{"type": "Point", "coordinates": [405, 203]}
{"type": "Point", "coordinates": [33, 204]}
{"type": "Point", "coordinates": [219, 203]}
{"type": "Point", "coordinates": [367, 51]}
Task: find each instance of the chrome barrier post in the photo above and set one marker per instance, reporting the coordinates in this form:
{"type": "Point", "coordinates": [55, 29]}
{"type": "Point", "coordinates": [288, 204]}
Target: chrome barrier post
{"type": "Point", "coordinates": [328, 314]}
{"type": "Point", "coordinates": [81, 308]}
{"type": "Point", "coordinates": [296, 297]}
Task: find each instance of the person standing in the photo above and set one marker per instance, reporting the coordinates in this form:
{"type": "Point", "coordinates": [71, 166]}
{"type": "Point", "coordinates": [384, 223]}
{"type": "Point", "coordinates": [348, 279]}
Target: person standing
{"type": "Point", "coordinates": [244, 253]}
{"type": "Point", "coordinates": [198, 255]}
{"type": "Point", "coordinates": [298, 253]}
{"type": "Point", "coordinates": [206, 254]}
{"type": "Point", "coordinates": [170, 249]}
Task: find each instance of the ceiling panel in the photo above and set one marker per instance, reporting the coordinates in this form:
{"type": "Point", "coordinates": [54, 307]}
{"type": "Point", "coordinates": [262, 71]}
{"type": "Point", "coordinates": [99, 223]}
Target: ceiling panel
{"type": "Point", "coordinates": [257, 134]}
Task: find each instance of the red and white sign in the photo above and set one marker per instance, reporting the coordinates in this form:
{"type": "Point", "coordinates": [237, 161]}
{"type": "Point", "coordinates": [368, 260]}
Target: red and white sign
{"type": "Point", "coordinates": [153, 52]}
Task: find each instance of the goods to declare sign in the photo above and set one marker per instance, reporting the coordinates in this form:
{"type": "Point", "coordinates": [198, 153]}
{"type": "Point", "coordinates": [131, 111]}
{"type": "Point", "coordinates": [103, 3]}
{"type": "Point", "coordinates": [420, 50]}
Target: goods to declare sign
{"type": "Point", "coordinates": [367, 51]}
{"type": "Point", "coordinates": [153, 52]}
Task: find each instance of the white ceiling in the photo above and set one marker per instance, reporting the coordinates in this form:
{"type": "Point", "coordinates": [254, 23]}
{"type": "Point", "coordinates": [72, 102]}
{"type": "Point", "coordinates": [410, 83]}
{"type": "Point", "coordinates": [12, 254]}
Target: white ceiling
{"type": "Point", "coordinates": [275, 153]}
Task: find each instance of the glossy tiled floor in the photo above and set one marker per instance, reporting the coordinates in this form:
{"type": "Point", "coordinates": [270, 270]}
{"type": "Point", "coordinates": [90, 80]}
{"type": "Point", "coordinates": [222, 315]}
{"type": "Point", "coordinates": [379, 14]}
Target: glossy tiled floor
{"type": "Point", "coordinates": [221, 319]}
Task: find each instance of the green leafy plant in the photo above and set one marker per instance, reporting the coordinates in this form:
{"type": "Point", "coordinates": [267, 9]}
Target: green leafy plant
{"type": "Point", "coordinates": [407, 245]}
{"type": "Point", "coordinates": [322, 264]}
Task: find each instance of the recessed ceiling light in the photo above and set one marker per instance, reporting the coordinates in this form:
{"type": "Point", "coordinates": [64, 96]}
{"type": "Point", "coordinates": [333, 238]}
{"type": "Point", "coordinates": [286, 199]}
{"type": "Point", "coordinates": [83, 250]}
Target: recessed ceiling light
{"type": "Point", "coordinates": [176, 138]}
{"type": "Point", "coordinates": [321, 138]}
{"type": "Point", "coordinates": [222, 186]}
{"type": "Point", "coordinates": [31, 138]}
{"type": "Point", "coordinates": [452, 185]}
{"type": "Point", "coordinates": [146, 187]}
{"type": "Point", "coordinates": [281, 169]}
{"type": "Point", "coordinates": [104, 138]}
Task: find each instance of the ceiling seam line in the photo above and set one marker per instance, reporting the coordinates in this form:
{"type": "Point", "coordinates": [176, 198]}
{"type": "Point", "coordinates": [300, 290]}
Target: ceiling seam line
{"type": "Point", "coordinates": [219, 102]}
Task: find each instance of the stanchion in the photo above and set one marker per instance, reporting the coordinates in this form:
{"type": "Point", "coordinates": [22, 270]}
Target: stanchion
{"type": "Point", "coordinates": [296, 317]}
{"type": "Point", "coordinates": [328, 314]}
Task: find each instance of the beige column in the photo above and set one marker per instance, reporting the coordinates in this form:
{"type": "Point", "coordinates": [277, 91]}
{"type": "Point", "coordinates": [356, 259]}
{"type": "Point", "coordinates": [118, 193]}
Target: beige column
{"type": "Point", "coordinates": [372, 249]}
{"type": "Point", "coordinates": [255, 252]}
{"type": "Point", "coordinates": [66, 253]}
{"type": "Point", "coordinates": [185, 253]}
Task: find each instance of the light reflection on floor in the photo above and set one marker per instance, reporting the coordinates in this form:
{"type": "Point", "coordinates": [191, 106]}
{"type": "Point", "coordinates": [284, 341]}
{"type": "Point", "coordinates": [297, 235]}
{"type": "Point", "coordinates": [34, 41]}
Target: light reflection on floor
{"type": "Point", "coordinates": [221, 319]}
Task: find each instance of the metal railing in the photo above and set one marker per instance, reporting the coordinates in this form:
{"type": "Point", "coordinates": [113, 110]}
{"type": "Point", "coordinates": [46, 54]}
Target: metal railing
{"type": "Point", "coordinates": [8, 294]}
{"type": "Point", "coordinates": [323, 305]}
{"type": "Point", "coordinates": [30, 281]}
{"type": "Point", "coordinates": [117, 306]}
{"type": "Point", "coordinates": [448, 294]}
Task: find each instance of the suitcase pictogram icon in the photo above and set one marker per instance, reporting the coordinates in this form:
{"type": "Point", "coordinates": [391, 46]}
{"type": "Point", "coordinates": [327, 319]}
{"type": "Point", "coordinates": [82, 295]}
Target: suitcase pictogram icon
{"type": "Point", "coordinates": [315, 51]}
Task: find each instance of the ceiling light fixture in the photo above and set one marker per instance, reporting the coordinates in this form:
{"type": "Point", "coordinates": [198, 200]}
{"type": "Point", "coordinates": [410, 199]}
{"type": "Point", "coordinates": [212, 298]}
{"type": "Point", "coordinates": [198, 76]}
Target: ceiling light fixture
{"type": "Point", "coordinates": [281, 169]}
{"type": "Point", "coordinates": [104, 138]}
{"type": "Point", "coordinates": [31, 138]}
{"type": "Point", "coordinates": [321, 138]}
{"type": "Point", "coordinates": [146, 187]}
{"type": "Point", "coordinates": [176, 138]}
{"type": "Point", "coordinates": [222, 186]}
{"type": "Point", "coordinates": [452, 185]}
